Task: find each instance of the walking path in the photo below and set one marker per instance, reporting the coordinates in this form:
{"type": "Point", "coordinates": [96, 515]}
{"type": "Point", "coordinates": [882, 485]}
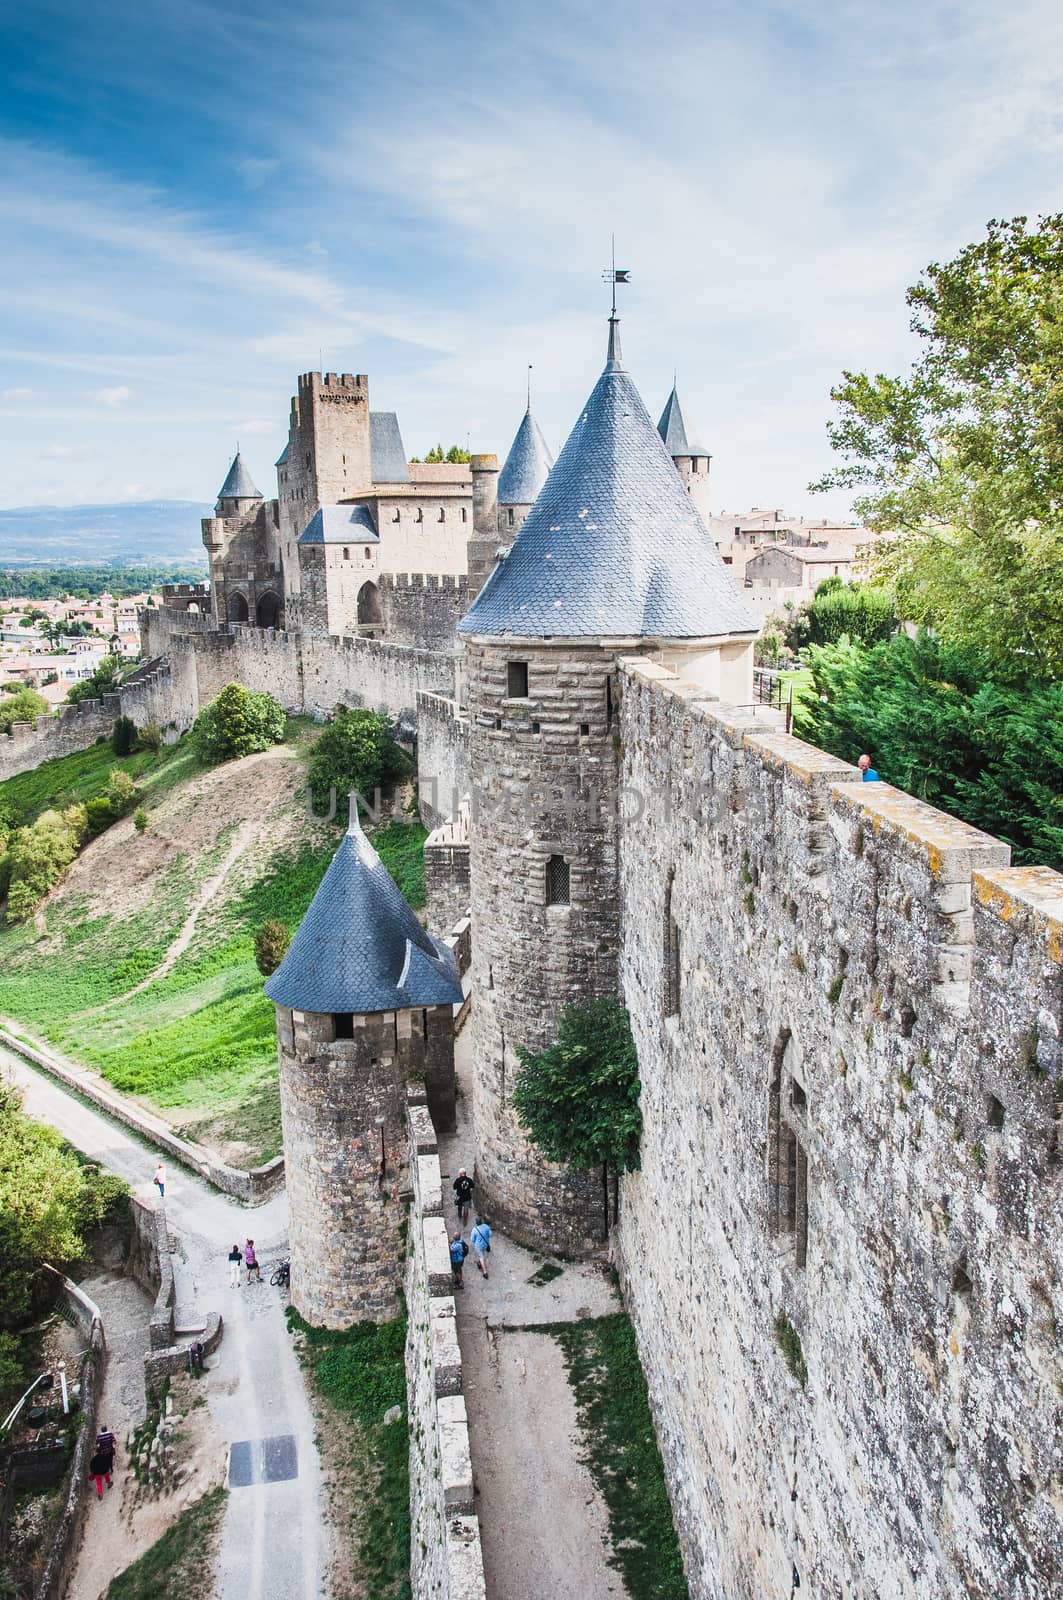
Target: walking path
{"type": "Point", "coordinates": [272, 1543]}
{"type": "Point", "coordinates": [543, 1523]}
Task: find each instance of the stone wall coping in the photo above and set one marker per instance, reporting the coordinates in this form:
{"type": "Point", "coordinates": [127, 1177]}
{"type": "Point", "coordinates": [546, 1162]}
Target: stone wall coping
{"type": "Point", "coordinates": [1031, 894]}
{"type": "Point", "coordinates": [798, 760]}
{"type": "Point", "coordinates": [952, 848]}
{"type": "Point", "coordinates": [159, 1364]}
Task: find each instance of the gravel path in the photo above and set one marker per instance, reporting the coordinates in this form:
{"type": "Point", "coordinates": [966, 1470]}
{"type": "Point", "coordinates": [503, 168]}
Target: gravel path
{"type": "Point", "coordinates": [272, 1542]}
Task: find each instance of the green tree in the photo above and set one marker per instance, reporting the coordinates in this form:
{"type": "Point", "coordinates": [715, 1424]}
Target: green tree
{"type": "Point", "coordinates": [104, 679]}
{"type": "Point", "coordinates": [961, 462]}
{"type": "Point", "coordinates": [21, 707]}
{"type": "Point", "coordinates": [271, 943]}
{"type": "Point", "coordinates": [578, 1100]}
{"type": "Point", "coordinates": [123, 735]}
{"type": "Point", "coordinates": [149, 737]}
{"type": "Point", "coordinates": [356, 751]}
{"type": "Point", "coordinates": [865, 615]}
{"type": "Point", "coordinates": [989, 753]}
{"type": "Point", "coordinates": [37, 857]}
{"type": "Point", "coordinates": [239, 722]}
{"type": "Point", "coordinates": [140, 820]}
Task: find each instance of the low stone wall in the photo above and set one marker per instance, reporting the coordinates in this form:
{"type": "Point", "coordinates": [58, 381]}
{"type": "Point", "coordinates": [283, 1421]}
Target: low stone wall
{"type": "Point", "coordinates": [71, 728]}
{"type": "Point", "coordinates": [253, 1185]}
{"type": "Point", "coordinates": [446, 1560]}
{"type": "Point", "coordinates": [160, 1364]}
{"type": "Point", "coordinates": [150, 1264]}
{"type": "Point", "coordinates": [65, 1539]}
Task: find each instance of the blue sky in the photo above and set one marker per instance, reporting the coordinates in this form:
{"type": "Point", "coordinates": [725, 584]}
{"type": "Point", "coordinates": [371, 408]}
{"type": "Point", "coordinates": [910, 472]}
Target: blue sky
{"type": "Point", "coordinates": [196, 199]}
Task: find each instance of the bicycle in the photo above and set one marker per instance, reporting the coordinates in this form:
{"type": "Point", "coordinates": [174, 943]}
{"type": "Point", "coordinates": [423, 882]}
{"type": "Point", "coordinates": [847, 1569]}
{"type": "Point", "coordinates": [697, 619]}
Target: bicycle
{"type": "Point", "coordinates": [281, 1275]}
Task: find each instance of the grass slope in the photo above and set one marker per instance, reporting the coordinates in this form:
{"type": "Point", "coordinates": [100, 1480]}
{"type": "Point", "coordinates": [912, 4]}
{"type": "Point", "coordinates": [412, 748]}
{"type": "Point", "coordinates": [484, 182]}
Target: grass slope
{"type": "Point", "coordinates": [200, 1042]}
{"type": "Point", "coordinates": [180, 1565]}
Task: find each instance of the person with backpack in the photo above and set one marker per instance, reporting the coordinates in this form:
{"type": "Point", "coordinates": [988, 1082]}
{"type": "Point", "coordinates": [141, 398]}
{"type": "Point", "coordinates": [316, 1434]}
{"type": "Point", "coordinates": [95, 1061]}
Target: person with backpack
{"type": "Point", "coordinates": [102, 1464]}
{"type": "Point", "coordinates": [458, 1251]}
{"type": "Point", "coordinates": [463, 1188]}
{"type": "Point", "coordinates": [480, 1239]}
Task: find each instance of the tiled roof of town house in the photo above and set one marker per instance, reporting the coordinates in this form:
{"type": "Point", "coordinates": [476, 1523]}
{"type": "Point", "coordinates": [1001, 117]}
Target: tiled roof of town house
{"type": "Point", "coordinates": [527, 465]}
{"type": "Point", "coordinates": [340, 525]}
{"type": "Point", "coordinates": [360, 948]}
{"type": "Point", "coordinates": [673, 430]}
{"type": "Point", "coordinates": [387, 453]}
{"type": "Point", "coordinates": [613, 546]}
{"type": "Point", "coordinates": [239, 484]}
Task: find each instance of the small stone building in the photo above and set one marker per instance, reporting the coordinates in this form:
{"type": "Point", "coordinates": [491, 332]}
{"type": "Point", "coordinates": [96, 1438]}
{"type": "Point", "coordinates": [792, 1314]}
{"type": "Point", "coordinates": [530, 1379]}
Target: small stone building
{"type": "Point", "coordinates": [365, 1001]}
{"type": "Point", "coordinates": [243, 547]}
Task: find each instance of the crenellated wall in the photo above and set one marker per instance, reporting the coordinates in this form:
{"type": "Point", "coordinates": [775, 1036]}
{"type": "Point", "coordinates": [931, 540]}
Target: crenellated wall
{"type": "Point", "coordinates": [423, 609]}
{"type": "Point", "coordinates": [847, 1009]}
{"type": "Point", "coordinates": [446, 1561]}
{"type": "Point", "coordinates": [442, 758]}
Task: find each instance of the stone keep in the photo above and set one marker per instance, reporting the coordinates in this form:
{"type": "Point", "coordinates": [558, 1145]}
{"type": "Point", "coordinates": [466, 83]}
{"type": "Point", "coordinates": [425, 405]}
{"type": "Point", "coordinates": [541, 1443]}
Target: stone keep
{"type": "Point", "coordinates": [612, 558]}
{"type": "Point", "coordinates": [364, 1002]}
{"type": "Point", "coordinates": [243, 548]}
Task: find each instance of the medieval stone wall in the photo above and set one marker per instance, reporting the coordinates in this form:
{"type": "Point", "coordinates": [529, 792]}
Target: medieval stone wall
{"type": "Point", "coordinates": [446, 1561]}
{"type": "Point", "coordinates": [442, 758]}
{"type": "Point", "coordinates": [847, 1012]}
{"type": "Point", "coordinates": [423, 609]}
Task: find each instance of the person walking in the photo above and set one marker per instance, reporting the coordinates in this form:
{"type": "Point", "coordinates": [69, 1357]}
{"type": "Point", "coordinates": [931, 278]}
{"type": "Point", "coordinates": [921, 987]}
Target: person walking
{"type": "Point", "coordinates": [160, 1180]}
{"type": "Point", "coordinates": [236, 1258]}
{"type": "Point", "coordinates": [251, 1261]}
{"type": "Point", "coordinates": [463, 1188]}
{"type": "Point", "coordinates": [480, 1239]}
{"type": "Point", "coordinates": [102, 1464]}
{"type": "Point", "coordinates": [458, 1251]}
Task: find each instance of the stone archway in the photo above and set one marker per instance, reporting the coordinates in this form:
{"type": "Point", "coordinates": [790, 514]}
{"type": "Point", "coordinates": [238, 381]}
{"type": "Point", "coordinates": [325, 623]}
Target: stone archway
{"type": "Point", "coordinates": [369, 608]}
{"type": "Point", "coordinates": [267, 610]}
{"type": "Point", "coordinates": [236, 608]}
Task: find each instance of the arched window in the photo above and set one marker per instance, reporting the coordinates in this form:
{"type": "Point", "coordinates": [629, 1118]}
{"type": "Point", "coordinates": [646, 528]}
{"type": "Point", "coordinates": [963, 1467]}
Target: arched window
{"type": "Point", "coordinates": [236, 608]}
{"type": "Point", "coordinates": [369, 604]}
{"type": "Point", "coordinates": [267, 610]}
{"type": "Point", "coordinates": [787, 1150]}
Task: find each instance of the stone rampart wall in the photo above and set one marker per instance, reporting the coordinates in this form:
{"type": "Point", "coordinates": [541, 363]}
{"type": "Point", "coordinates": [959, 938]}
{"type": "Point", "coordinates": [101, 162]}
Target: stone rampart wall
{"type": "Point", "coordinates": [73, 728]}
{"type": "Point", "coordinates": [446, 1561]}
{"type": "Point", "coordinates": [442, 758]}
{"type": "Point", "coordinates": [423, 609]}
{"type": "Point", "coordinates": [847, 1009]}
{"type": "Point", "coordinates": [446, 875]}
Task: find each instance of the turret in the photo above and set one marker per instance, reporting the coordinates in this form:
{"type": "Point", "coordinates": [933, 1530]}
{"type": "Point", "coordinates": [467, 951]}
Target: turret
{"type": "Point", "coordinates": [364, 1000]}
{"type": "Point", "coordinates": [526, 470]}
{"type": "Point", "coordinates": [484, 540]}
{"type": "Point", "coordinates": [612, 560]}
{"type": "Point", "coordinates": [691, 458]}
{"type": "Point", "coordinates": [237, 494]}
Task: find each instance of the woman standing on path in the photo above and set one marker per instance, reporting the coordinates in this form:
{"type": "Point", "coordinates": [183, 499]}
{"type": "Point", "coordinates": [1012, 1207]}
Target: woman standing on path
{"type": "Point", "coordinates": [236, 1257]}
{"type": "Point", "coordinates": [251, 1261]}
{"type": "Point", "coordinates": [160, 1180]}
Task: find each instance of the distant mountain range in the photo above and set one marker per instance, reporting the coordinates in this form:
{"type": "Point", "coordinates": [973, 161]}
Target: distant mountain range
{"type": "Point", "coordinates": [151, 530]}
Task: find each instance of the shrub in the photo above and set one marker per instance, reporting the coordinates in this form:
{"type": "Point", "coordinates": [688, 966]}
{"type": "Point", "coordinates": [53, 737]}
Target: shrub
{"type": "Point", "coordinates": [140, 819]}
{"type": "Point", "coordinates": [271, 942]}
{"type": "Point", "coordinates": [37, 857]}
{"type": "Point", "coordinates": [356, 751]}
{"type": "Point", "coordinates": [239, 722]}
{"type": "Point", "coordinates": [120, 790]}
{"type": "Point", "coordinates": [21, 707]}
{"type": "Point", "coordinates": [150, 737]}
{"type": "Point", "coordinates": [123, 735]}
{"type": "Point", "coordinates": [865, 615]}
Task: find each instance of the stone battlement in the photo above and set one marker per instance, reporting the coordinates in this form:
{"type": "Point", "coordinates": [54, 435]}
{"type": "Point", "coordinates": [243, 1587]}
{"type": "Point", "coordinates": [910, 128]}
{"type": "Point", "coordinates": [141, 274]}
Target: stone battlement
{"type": "Point", "coordinates": [451, 583]}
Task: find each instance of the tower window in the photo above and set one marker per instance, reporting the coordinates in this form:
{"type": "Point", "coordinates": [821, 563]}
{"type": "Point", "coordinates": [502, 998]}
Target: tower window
{"type": "Point", "coordinates": [787, 1157]}
{"type": "Point", "coordinates": [420, 514]}
{"type": "Point", "coordinates": [671, 955]}
{"type": "Point", "coordinates": [346, 553]}
{"type": "Point", "coordinates": [994, 1112]}
{"type": "Point", "coordinates": [442, 514]}
{"type": "Point", "coordinates": [557, 882]}
{"type": "Point", "coordinates": [509, 516]}
{"type": "Point", "coordinates": [517, 680]}
{"type": "Point", "coordinates": [464, 515]}
{"type": "Point", "coordinates": [396, 514]}
{"type": "Point", "coordinates": [342, 1025]}
{"type": "Point", "coordinates": [367, 552]}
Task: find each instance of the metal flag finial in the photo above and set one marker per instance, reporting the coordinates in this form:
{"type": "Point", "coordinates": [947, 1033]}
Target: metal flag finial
{"type": "Point", "coordinates": [529, 384]}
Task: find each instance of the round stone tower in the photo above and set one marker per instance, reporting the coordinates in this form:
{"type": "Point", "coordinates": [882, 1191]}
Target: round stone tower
{"type": "Point", "coordinates": [692, 460]}
{"type": "Point", "coordinates": [612, 560]}
{"type": "Point", "coordinates": [364, 1000]}
{"type": "Point", "coordinates": [238, 494]}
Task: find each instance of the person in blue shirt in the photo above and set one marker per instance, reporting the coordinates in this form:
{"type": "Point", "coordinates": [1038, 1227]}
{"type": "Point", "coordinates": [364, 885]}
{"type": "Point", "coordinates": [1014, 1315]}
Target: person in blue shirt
{"type": "Point", "coordinates": [867, 771]}
{"type": "Point", "coordinates": [480, 1239]}
{"type": "Point", "coordinates": [458, 1251]}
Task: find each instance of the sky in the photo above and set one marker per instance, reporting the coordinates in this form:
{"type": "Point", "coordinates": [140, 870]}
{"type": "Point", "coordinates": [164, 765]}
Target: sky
{"type": "Point", "coordinates": [198, 201]}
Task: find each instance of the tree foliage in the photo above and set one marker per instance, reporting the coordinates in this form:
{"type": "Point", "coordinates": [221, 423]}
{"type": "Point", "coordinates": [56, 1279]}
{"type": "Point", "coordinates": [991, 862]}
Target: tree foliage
{"type": "Point", "coordinates": [104, 679]}
{"type": "Point", "coordinates": [987, 752]}
{"type": "Point", "coordinates": [578, 1100]}
{"type": "Point", "coordinates": [123, 735]}
{"type": "Point", "coordinates": [271, 944]}
{"type": "Point", "coordinates": [356, 751]}
{"type": "Point", "coordinates": [22, 706]}
{"type": "Point", "coordinates": [865, 615]}
{"type": "Point", "coordinates": [437, 454]}
{"type": "Point", "coordinates": [239, 722]}
{"type": "Point", "coordinates": [961, 462]}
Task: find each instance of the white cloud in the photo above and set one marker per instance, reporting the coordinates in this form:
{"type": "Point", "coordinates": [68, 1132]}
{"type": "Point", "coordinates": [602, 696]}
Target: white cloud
{"type": "Point", "coordinates": [256, 170]}
{"type": "Point", "coordinates": [259, 425]}
{"type": "Point", "coordinates": [114, 397]}
{"type": "Point", "coordinates": [17, 394]}
{"type": "Point", "coordinates": [63, 452]}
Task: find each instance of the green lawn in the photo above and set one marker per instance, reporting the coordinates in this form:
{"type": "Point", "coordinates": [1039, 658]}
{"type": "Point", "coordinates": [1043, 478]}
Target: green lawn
{"type": "Point", "coordinates": [180, 1565]}
{"type": "Point", "coordinates": [202, 1039]}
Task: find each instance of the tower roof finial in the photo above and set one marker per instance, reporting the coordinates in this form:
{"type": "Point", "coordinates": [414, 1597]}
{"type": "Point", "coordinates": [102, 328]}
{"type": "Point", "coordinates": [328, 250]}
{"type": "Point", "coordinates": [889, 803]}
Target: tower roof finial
{"type": "Point", "coordinates": [613, 276]}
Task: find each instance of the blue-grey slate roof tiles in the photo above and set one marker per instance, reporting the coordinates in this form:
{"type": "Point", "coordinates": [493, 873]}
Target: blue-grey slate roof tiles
{"type": "Point", "coordinates": [386, 449]}
{"type": "Point", "coordinates": [613, 546]}
{"type": "Point", "coordinates": [340, 525]}
{"type": "Point", "coordinates": [672, 428]}
{"type": "Point", "coordinates": [527, 465]}
{"type": "Point", "coordinates": [238, 484]}
{"type": "Point", "coordinates": [360, 948]}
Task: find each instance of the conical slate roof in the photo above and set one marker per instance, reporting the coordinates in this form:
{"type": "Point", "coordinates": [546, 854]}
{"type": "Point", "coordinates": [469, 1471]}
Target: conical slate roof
{"type": "Point", "coordinates": [527, 465]}
{"type": "Point", "coordinates": [360, 948]}
{"type": "Point", "coordinates": [239, 485]}
{"type": "Point", "coordinates": [613, 545]}
{"type": "Point", "coordinates": [673, 430]}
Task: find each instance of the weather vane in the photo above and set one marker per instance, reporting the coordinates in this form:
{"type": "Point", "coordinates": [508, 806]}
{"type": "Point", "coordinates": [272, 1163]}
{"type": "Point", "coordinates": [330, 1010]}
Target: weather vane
{"type": "Point", "coordinates": [614, 275]}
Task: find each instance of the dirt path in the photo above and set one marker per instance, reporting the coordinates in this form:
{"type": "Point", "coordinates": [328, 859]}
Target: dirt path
{"type": "Point", "coordinates": [543, 1523]}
